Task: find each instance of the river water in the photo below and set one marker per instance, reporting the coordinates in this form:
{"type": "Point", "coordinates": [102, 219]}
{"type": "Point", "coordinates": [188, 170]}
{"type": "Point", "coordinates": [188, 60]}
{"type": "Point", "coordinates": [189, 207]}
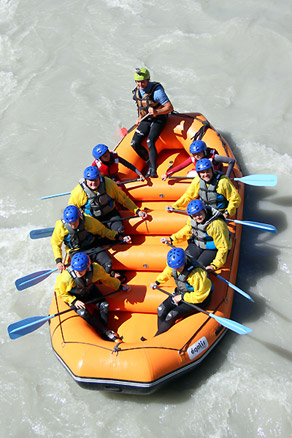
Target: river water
{"type": "Point", "coordinates": [66, 75]}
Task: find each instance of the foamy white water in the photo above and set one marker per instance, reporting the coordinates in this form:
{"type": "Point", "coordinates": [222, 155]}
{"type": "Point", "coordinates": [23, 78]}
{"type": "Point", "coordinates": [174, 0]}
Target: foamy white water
{"type": "Point", "coordinates": [66, 77]}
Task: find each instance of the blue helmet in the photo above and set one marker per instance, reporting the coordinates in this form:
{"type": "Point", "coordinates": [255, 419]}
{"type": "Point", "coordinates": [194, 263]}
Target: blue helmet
{"type": "Point", "coordinates": [195, 206]}
{"type": "Point", "coordinates": [203, 164]}
{"type": "Point", "coordinates": [91, 172]}
{"type": "Point", "coordinates": [198, 146]}
{"type": "Point", "coordinates": [176, 258]}
{"type": "Point", "coordinates": [99, 150]}
{"type": "Point", "coordinates": [80, 261]}
{"type": "Point", "coordinates": [71, 214]}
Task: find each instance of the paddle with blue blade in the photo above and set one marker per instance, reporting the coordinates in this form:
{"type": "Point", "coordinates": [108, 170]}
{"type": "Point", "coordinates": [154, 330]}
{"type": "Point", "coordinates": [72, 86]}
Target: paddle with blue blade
{"type": "Point", "coordinates": [259, 225]}
{"type": "Point", "coordinates": [42, 232]}
{"type": "Point", "coordinates": [258, 180]}
{"type": "Point", "coordinates": [228, 323]}
{"type": "Point", "coordinates": [28, 325]}
{"type": "Point", "coordinates": [252, 180]}
{"type": "Point", "coordinates": [47, 232]}
{"type": "Point", "coordinates": [32, 279]}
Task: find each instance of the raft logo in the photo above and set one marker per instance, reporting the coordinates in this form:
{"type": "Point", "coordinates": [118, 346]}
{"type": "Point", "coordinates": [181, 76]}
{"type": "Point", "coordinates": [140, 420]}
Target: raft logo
{"type": "Point", "coordinates": [197, 348]}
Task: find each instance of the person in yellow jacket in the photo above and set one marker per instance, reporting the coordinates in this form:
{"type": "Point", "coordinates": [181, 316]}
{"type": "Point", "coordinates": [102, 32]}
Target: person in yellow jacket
{"type": "Point", "coordinates": [192, 286]}
{"type": "Point", "coordinates": [97, 195]}
{"type": "Point", "coordinates": [76, 286]}
{"type": "Point", "coordinates": [207, 234]}
{"type": "Point", "coordinates": [213, 187]}
{"type": "Point", "coordinates": [83, 233]}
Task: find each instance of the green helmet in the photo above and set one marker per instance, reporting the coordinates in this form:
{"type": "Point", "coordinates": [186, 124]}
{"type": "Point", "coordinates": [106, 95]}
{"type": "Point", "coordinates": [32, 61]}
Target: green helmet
{"type": "Point", "coordinates": [141, 74]}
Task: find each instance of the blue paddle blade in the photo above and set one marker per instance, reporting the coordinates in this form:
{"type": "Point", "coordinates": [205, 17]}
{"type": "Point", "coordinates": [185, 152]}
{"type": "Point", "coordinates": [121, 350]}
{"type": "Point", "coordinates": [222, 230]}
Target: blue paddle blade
{"type": "Point", "coordinates": [25, 326]}
{"type": "Point", "coordinates": [259, 180]}
{"type": "Point", "coordinates": [258, 225]}
{"type": "Point", "coordinates": [237, 289]}
{"type": "Point", "coordinates": [231, 325]}
{"type": "Point", "coordinates": [42, 232]}
{"type": "Point", "coordinates": [32, 279]}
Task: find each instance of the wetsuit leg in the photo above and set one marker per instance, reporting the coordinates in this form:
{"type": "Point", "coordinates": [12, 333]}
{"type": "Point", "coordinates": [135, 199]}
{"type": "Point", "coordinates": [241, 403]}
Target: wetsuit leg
{"type": "Point", "coordinates": [156, 128]}
{"type": "Point", "coordinates": [203, 256]}
{"type": "Point", "coordinates": [179, 311]}
{"type": "Point", "coordinates": [141, 132]}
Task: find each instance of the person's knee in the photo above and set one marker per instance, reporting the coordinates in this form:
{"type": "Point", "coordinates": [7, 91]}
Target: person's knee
{"type": "Point", "coordinates": [171, 315]}
{"type": "Point", "coordinates": [161, 310]}
{"type": "Point", "coordinates": [104, 307]}
{"type": "Point", "coordinates": [83, 313]}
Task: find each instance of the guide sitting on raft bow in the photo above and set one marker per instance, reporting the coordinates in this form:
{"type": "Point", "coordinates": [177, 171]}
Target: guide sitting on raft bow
{"type": "Point", "coordinates": [151, 99]}
{"type": "Point", "coordinates": [97, 195]}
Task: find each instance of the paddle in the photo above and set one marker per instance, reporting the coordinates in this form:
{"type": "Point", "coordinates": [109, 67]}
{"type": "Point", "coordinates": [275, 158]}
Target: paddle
{"type": "Point", "coordinates": [124, 131]}
{"type": "Point", "coordinates": [55, 196]}
{"type": "Point", "coordinates": [32, 279]}
{"type": "Point", "coordinates": [28, 325]}
{"type": "Point", "coordinates": [259, 225]}
{"type": "Point", "coordinates": [47, 232]}
{"type": "Point", "coordinates": [236, 288]}
{"type": "Point", "coordinates": [42, 232]}
{"type": "Point", "coordinates": [252, 180]}
{"type": "Point", "coordinates": [228, 323]}
{"type": "Point", "coordinates": [37, 277]}
{"type": "Point", "coordinates": [69, 193]}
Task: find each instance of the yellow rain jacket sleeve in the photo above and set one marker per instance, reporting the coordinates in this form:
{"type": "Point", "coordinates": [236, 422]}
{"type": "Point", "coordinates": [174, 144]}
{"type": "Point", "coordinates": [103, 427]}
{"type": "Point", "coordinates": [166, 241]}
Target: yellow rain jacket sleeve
{"type": "Point", "coordinates": [57, 239]}
{"type": "Point", "coordinates": [225, 188]}
{"type": "Point", "coordinates": [218, 230]}
{"type": "Point", "coordinates": [165, 275]}
{"type": "Point", "coordinates": [201, 283]}
{"type": "Point", "coordinates": [65, 283]}
{"type": "Point", "coordinates": [78, 196]}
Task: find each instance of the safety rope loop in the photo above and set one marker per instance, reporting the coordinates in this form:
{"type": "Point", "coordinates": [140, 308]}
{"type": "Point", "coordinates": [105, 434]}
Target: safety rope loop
{"type": "Point", "coordinates": [201, 132]}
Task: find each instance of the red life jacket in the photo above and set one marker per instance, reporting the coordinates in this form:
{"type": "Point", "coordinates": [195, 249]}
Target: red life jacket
{"type": "Point", "coordinates": [110, 168]}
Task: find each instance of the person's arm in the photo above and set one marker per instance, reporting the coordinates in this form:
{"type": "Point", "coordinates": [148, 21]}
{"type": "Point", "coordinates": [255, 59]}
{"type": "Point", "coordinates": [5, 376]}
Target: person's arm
{"type": "Point", "coordinates": [100, 274]}
{"type": "Point", "coordinates": [164, 276]}
{"type": "Point", "coordinates": [191, 193]}
{"type": "Point", "coordinates": [78, 197]}
{"type": "Point", "coordinates": [177, 168]}
{"type": "Point", "coordinates": [223, 159]}
{"type": "Point", "coordinates": [218, 230]}
{"type": "Point", "coordinates": [64, 284]}
{"type": "Point", "coordinates": [57, 240]}
{"type": "Point", "coordinates": [201, 284]}
{"type": "Point", "coordinates": [131, 167]}
{"type": "Point", "coordinates": [95, 227]}
{"type": "Point", "coordinates": [183, 234]}
{"type": "Point", "coordinates": [115, 193]}
{"type": "Point", "coordinates": [227, 189]}
{"type": "Point", "coordinates": [163, 109]}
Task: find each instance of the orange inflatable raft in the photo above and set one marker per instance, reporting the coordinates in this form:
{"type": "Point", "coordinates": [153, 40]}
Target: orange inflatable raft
{"type": "Point", "coordinates": [136, 366]}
